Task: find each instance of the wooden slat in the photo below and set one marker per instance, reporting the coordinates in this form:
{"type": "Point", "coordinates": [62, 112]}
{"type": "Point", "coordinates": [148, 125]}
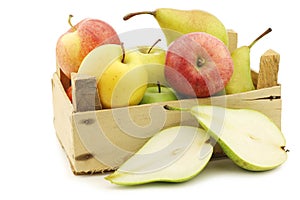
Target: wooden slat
{"type": "Point", "coordinates": [268, 71]}
{"type": "Point", "coordinates": [63, 110]}
{"type": "Point", "coordinates": [84, 93]}
{"type": "Point", "coordinates": [233, 40]}
{"type": "Point", "coordinates": [254, 76]}
{"type": "Point", "coordinates": [127, 129]}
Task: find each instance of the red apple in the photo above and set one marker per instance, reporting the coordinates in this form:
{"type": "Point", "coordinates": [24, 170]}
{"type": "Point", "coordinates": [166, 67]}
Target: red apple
{"type": "Point", "coordinates": [79, 40]}
{"type": "Point", "coordinates": [69, 93]}
{"type": "Point", "coordinates": [198, 65]}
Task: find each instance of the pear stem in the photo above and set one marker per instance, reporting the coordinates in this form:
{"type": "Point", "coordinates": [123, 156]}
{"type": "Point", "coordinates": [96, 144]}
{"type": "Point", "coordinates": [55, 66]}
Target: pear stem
{"type": "Point", "coordinates": [155, 43]}
{"type": "Point", "coordinates": [259, 37]}
{"type": "Point", "coordinates": [128, 16]}
{"type": "Point", "coordinates": [123, 52]}
{"type": "Point", "coordinates": [70, 23]}
{"type": "Point", "coordinates": [284, 149]}
{"type": "Point", "coordinates": [158, 86]}
{"type": "Point", "coordinates": [167, 107]}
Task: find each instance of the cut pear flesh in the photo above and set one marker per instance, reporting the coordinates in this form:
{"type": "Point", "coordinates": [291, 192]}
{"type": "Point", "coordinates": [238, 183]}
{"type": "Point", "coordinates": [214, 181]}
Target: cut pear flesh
{"type": "Point", "coordinates": [248, 137]}
{"type": "Point", "coordinates": [99, 59]}
{"type": "Point", "coordinates": [175, 154]}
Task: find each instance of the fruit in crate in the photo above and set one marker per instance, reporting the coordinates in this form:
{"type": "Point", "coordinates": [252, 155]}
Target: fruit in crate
{"type": "Point", "coordinates": [124, 82]}
{"type": "Point", "coordinates": [249, 138]}
{"type": "Point", "coordinates": [158, 93]}
{"type": "Point", "coordinates": [175, 22]}
{"type": "Point", "coordinates": [79, 40]}
{"type": "Point", "coordinates": [69, 93]}
{"type": "Point", "coordinates": [154, 60]}
{"type": "Point", "coordinates": [175, 154]}
{"type": "Point", "coordinates": [198, 65]}
{"type": "Point", "coordinates": [99, 59]}
{"type": "Point", "coordinates": [241, 80]}
{"type": "Point", "coordinates": [122, 78]}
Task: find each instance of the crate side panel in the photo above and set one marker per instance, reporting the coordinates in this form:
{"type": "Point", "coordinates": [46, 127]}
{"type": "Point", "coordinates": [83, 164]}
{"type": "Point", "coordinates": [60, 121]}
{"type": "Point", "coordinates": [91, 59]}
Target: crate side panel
{"type": "Point", "coordinates": [62, 109]}
{"type": "Point", "coordinates": [104, 136]}
{"type": "Point", "coordinates": [267, 100]}
{"type": "Point", "coordinates": [124, 130]}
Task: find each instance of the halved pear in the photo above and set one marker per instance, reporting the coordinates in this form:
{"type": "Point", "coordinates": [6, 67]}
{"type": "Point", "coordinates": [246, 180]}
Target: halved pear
{"type": "Point", "coordinates": [175, 154]}
{"type": "Point", "coordinates": [99, 59]}
{"type": "Point", "coordinates": [248, 137]}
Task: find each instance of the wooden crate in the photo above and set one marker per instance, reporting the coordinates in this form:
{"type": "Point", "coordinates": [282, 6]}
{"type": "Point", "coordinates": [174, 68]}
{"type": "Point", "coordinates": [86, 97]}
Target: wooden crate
{"type": "Point", "coordinates": [96, 141]}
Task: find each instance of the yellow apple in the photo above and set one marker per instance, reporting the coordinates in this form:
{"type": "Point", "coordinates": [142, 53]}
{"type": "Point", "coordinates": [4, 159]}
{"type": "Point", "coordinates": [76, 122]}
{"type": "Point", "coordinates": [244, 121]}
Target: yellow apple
{"type": "Point", "coordinates": [154, 61]}
{"type": "Point", "coordinates": [121, 82]}
{"type": "Point", "coordinates": [99, 59]}
{"type": "Point", "coordinates": [124, 82]}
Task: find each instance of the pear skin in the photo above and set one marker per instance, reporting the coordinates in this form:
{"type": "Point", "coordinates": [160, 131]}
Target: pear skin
{"type": "Point", "coordinates": [248, 137]}
{"type": "Point", "coordinates": [175, 154]}
{"type": "Point", "coordinates": [240, 80]}
{"type": "Point", "coordinates": [175, 23]}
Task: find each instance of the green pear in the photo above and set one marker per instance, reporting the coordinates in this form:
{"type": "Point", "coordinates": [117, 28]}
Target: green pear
{"type": "Point", "coordinates": [175, 22]}
{"type": "Point", "coordinates": [241, 80]}
{"type": "Point", "coordinates": [249, 138]}
{"type": "Point", "coordinates": [174, 154]}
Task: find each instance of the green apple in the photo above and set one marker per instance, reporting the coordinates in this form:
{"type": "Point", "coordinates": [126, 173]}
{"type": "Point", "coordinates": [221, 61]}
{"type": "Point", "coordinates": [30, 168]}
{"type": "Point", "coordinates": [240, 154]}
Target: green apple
{"type": "Point", "coordinates": [158, 94]}
{"type": "Point", "coordinates": [175, 154]}
{"type": "Point", "coordinates": [247, 136]}
{"type": "Point", "coordinates": [154, 60]}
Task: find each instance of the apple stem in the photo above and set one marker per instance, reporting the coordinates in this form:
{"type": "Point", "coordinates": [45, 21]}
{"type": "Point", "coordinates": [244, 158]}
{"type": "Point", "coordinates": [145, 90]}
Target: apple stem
{"type": "Point", "coordinates": [158, 86]}
{"type": "Point", "coordinates": [200, 62]}
{"type": "Point", "coordinates": [259, 37]}
{"type": "Point", "coordinates": [155, 43]}
{"type": "Point", "coordinates": [167, 107]}
{"type": "Point", "coordinates": [123, 52]}
{"type": "Point", "coordinates": [70, 23]}
{"type": "Point", "coordinates": [128, 16]}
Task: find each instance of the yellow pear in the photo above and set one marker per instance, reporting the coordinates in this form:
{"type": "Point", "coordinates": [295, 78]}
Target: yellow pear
{"type": "Point", "coordinates": [175, 22]}
{"type": "Point", "coordinates": [241, 80]}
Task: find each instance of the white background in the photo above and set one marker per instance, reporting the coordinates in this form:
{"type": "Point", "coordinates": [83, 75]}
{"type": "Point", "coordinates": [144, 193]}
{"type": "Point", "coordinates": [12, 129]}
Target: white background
{"type": "Point", "coordinates": [32, 163]}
